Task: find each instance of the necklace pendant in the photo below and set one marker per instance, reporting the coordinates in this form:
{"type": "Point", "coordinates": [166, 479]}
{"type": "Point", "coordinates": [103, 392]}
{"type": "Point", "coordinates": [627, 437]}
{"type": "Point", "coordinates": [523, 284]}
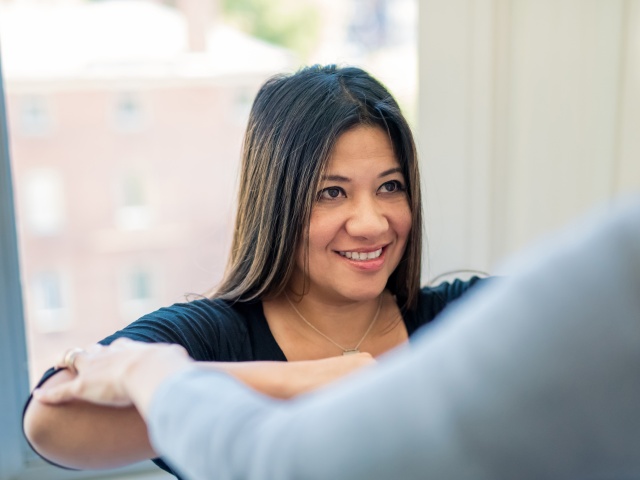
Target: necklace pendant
{"type": "Point", "coordinates": [351, 351]}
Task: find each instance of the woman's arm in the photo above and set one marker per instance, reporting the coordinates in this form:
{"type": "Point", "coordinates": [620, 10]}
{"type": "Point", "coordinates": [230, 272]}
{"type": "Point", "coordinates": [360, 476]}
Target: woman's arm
{"type": "Point", "coordinates": [82, 435]}
{"type": "Point", "coordinates": [287, 379]}
{"type": "Point", "coordinates": [77, 434]}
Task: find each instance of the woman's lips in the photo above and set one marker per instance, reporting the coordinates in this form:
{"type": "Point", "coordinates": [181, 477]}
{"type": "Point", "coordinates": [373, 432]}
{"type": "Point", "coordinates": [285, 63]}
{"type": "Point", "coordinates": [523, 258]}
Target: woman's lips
{"type": "Point", "coordinates": [364, 260]}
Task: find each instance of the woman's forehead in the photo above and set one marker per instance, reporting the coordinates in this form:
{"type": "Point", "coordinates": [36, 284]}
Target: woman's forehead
{"type": "Point", "coordinates": [362, 146]}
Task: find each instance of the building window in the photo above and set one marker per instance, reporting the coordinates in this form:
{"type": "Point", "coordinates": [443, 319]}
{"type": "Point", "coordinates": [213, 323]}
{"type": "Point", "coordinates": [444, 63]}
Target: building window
{"type": "Point", "coordinates": [44, 201]}
{"type": "Point", "coordinates": [137, 292]}
{"type": "Point", "coordinates": [140, 286]}
{"type": "Point", "coordinates": [133, 212]}
{"type": "Point", "coordinates": [243, 100]}
{"type": "Point", "coordinates": [128, 113]}
{"type": "Point", "coordinates": [50, 308]}
{"type": "Point", "coordinates": [35, 117]}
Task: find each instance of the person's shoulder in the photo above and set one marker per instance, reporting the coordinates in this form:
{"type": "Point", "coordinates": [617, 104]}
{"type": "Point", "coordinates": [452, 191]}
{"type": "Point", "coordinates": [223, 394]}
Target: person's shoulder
{"type": "Point", "coordinates": [202, 309]}
{"type": "Point", "coordinates": [210, 329]}
{"type": "Point", "coordinates": [449, 291]}
{"type": "Point", "coordinates": [200, 312]}
{"type": "Point", "coordinates": [433, 299]}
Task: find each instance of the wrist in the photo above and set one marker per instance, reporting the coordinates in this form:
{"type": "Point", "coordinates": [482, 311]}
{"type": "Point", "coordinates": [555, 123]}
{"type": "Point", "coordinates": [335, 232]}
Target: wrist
{"type": "Point", "coordinates": [148, 370]}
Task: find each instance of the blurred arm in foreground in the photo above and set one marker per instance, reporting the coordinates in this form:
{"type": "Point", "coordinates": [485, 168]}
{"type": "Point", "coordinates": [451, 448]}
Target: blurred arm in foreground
{"type": "Point", "coordinates": [532, 377]}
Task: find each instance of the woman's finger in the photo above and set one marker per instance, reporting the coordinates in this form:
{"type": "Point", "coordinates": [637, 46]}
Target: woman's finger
{"type": "Point", "coordinates": [81, 359]}
{"type": "Point", "coordinates": [67, 360]}
{"type": "Point", "coordinates": [62, 393]}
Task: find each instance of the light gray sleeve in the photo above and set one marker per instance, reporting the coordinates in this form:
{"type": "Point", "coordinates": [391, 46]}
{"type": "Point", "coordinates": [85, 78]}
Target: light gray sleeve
{"type": "Point", "coordinates": [534, 377]}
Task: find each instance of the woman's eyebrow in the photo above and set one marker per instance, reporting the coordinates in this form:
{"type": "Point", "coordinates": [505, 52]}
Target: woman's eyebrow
{"type": "Point", "coordinates": [340, 178]}
{"type": "Point", "coordinates": [390, 171]}
{"type": "Point", "coordinates": [335, 178]}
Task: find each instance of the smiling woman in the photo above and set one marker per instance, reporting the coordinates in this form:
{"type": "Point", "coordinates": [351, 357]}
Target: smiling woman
{"type": "Point", "coordinates": [325, 261]}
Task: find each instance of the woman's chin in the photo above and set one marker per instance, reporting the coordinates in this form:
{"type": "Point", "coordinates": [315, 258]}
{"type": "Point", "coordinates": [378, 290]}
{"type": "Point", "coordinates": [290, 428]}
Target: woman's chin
{"type": "Point", "coordinates": [360, 295]}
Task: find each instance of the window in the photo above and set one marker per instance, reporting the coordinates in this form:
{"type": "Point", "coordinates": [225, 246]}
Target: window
{"type": "Point", "coordinates": [133, 212]}
{"type": "Point", "coordinates": [44, 202]}
{"type": "Point", "coordinates": [14, 452]}
{"type": "Point", "coordinates": [128, 113]}
{"type": "Point", "coordinates": [138, 288]}
{"type": "Point", "coordinates": [242, 105]}
{"type": "Point", "coordinates": [49, 303]}
{"type": "Point", "coordinates": [119, 143]}
{"type": "Point", "coordinates": [35, 118]}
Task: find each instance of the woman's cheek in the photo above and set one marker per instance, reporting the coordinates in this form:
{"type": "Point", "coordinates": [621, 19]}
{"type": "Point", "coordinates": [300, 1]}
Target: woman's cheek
{"type": "Point", "coordinates": [402, 220]}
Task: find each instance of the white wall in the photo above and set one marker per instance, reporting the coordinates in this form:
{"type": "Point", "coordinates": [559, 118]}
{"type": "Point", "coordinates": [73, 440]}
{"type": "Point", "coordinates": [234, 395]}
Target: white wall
{"type": "Point", "coordinates": [529, 114]}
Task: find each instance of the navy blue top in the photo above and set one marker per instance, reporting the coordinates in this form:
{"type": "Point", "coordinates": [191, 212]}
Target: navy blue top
{"type": "Point", "coordinates": [216, 330]}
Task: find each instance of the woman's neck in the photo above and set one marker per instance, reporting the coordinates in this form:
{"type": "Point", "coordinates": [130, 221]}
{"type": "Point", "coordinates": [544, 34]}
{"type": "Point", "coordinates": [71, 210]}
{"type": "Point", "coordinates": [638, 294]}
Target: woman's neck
{"type": "Point", "coordinates": [336, 316]}
{"type": "Point", "coordinates": [310, 327]}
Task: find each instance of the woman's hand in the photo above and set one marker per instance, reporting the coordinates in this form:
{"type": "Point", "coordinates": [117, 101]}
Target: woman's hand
{"type": "Point", "coordinates": [128, 373]}
{"type": "Point", "coordinates": [118, 375]}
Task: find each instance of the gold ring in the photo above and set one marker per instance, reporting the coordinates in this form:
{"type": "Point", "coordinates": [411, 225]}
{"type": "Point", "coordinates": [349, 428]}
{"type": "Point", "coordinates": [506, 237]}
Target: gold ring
{"type": "Point", "coordinates": [69, 359]}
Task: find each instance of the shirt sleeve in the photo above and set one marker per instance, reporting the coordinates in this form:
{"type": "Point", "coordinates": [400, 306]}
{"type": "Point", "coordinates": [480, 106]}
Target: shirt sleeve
{"type": "Point", "coordinates": [506, 386]}
{"type": "Point", "coordinates": [208, 330]}
{"type": "Point", "coordinates": [434, 299]}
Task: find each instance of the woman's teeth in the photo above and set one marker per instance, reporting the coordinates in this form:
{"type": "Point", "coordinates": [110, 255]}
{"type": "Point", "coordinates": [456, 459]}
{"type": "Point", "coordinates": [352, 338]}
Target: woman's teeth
{"type": "Point", "coordinates": [362, 255]}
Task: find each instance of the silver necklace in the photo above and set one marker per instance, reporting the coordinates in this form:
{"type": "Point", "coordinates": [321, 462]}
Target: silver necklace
{"type": "Point", "coordinates": [345, 351]}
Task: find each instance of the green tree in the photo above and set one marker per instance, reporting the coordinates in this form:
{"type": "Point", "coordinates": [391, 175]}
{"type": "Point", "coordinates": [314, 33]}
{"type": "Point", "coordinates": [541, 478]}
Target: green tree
{"type": "Point", "coordinates": [292, 24]}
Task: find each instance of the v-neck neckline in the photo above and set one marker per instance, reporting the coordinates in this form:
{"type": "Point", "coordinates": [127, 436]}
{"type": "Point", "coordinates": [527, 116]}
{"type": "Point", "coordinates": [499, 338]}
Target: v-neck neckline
{"type": "Point", "coordinates": [265, 346]}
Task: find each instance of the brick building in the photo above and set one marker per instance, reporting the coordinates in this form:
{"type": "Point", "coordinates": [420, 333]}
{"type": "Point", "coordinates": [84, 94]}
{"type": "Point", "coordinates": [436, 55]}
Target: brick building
{"type": "Point", "coordinates": [126, 119]}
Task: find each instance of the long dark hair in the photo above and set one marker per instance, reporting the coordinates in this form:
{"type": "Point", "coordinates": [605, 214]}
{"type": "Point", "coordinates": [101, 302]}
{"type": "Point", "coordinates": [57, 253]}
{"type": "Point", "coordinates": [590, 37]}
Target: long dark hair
{"type": "Point", "coordinates": [293, 126]}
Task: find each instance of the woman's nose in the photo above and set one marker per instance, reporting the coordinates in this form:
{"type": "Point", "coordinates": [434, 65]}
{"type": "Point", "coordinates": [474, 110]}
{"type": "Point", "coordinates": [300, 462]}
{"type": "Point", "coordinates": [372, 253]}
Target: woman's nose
{"type": "Point", "coordinates": [367, 219]}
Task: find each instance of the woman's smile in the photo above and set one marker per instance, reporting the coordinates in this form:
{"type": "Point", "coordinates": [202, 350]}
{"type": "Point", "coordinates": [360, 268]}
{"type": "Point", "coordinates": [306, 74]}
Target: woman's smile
{"type": "Point", "coordinates": [362, 255]}
{"type": "Point", "coordinates": [367, 259]}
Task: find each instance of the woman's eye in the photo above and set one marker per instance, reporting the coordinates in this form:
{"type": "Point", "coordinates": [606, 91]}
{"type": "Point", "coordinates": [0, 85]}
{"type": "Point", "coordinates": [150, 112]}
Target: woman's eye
{"type": "Point", "coordinates": [392, 186]}
{"type": "Point", "coordinates": [330, 193]}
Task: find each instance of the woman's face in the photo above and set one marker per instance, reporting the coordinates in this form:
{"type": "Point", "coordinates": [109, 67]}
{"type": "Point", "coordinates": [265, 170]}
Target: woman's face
{"type": "Point", "coordinates": [360, 221]}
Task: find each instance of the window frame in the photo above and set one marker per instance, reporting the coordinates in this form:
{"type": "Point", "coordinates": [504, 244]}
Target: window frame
{"type": "Point", "coordinates": [17, 460]}
{"type": "Point", "coordinates": [14, 451]}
